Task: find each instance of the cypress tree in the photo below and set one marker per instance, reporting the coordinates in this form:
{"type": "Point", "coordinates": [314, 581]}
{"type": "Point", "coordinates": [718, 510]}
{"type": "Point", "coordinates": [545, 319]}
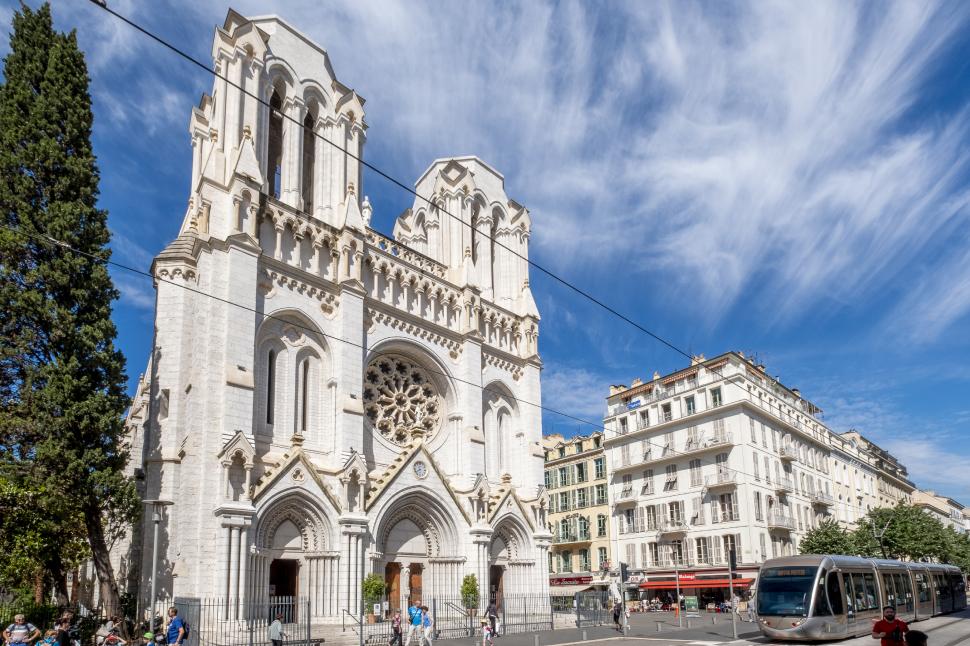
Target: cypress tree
{"type": "Point", "coordinates": [62, 381]}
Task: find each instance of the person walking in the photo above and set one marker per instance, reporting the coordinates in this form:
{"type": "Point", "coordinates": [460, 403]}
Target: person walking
{"type": "Point", "coordinates": [414, 622]}
{"type": "Point", "coordinates": [889, 629]}
{"type": "Point", "coordinates": [20, 632]}
{"type": "Point", "coordinates": [396, 630]}
{"type": "Point", "coordinates": [427, 625]}
{"type": "Point", "coordinates": [617, 613]}
{"type": "Point", "coordinates": [492, 613]}
{"type": "Point", "coordinates": [176, 627]}
{"type": "Point", "coordinates": [276, 634]}
{"type": "Point", "coordinates": [487, 634]}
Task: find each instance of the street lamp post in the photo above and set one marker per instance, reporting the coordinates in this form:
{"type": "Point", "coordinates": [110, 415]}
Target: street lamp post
{"type": "Point", "coordinates": [157, 506]}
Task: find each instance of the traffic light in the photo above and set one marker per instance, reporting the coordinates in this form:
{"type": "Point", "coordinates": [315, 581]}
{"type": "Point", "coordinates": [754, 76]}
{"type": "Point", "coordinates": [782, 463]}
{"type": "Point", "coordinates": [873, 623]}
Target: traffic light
{"type": "Point", "coordinates": [624, 574]}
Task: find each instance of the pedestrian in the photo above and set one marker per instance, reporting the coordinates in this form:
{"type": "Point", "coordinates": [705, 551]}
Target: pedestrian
{"type": "Point", "coordinates": [889, 629]}
{"type": "Point", "coordinates": [50, 638]}
{"type": "Point", "coordinates": [916, 638]}
{"type": "Point", "coordinates": [751, 616]}
{"type": "Point", "coordinates": [176, 627]}
{"type": "Point", "coordinates": [64, 632]}
{"type": "Point", "coordinates": [276, 634]}
{"type": "Point", "coordinates": [492, 613]}
{"type": "Point", "coordinates": [488, 635]}
{"type": "Point", "coordinates": [414, 622]}
{"type": "Point", "coordinates": [20, 632]}
{"type": "Point", "coordinates": [396, 629]}
{"type": "Point", "coordinates": [427, 624]}
{"type": "Point", "coordinates": [617, 613]}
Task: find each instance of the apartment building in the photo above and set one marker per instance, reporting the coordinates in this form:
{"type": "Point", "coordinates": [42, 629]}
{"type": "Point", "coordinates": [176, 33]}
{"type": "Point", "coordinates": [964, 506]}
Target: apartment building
{"type": "Point", "coordinates": [716, 457]}
{"type": "Point", "coordinates": [864, 477]}
{"type": "Point", "coordinates": [946, 510]}
{"type": "Point", "coordinates": [578, 513]}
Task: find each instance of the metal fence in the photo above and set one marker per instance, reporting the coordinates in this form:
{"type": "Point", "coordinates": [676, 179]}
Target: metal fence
{"type": "Point", "coordinates": [516, 614]}
{"type": "Point", "coordinates": [233, 622]}
{"type": "Point", "coordinates": [593, 608]}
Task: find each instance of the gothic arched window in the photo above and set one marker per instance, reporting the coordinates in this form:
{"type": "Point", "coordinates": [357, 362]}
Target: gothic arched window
{"type": "Point", "coordinates": [304, 391]}
{"type": "Point", "coordinates": [270, 385]}
{"type": "Point", "coordinates": [274, 151]}
{"type": "Point", "coordinates": [309, 149]}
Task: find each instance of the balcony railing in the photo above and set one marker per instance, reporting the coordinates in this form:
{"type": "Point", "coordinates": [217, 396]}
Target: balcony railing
{"type": "Point", "coordinates": [672, 526]}
{"type": "Point", "coordinates": [788, 453]}
{"type": "Point", "coordinates": [822, 498]}
{"type": "Point", "coordinates": [784, 485]}
{"type": "Point", "coordinates": [625, 493]}
{"type": "Point", "coordinates": [695, 445]}
{"type": "Point", "coordinates": [780, 521]}
{"type": "Point", "coordinates": [723, 478]}
{"type": "Point", "coordinates": [572, 537]}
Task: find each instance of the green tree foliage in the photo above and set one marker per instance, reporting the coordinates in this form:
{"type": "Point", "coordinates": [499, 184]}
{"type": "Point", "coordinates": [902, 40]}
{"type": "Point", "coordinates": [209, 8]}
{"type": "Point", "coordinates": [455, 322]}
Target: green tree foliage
{"type": "Point", "coordinates": [907, 533]}
{"type": "Point", "coordinates": [828, 538]}
{"type": "Point", "coordinates": [62, 381]}
{"type": "Point", "coordinates": [469, 591]}
{"type": "Point", "coordinates": [373, 590]}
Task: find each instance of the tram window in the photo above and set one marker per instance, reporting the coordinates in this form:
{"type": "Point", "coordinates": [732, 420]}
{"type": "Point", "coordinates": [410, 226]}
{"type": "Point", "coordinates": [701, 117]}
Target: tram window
{"type": "Point", "coordinates": [859, 590]}
{"type": "Point", "coordinates": [922, 589]}
{"type": "Point", "coordinates": [821, 607]}
{"type": "Point", "coordinates": [889, 589]}
{"type": "Point", "coordinates": [943, 586]}
{"type": "Point", "coordinates": [956, 582]}
{"type": "Point", "coordinates": [834, 592]}
{"type": "Point", "coordinates": [872, 594]}
{"type": "Point", "coordinates": [904, 590]}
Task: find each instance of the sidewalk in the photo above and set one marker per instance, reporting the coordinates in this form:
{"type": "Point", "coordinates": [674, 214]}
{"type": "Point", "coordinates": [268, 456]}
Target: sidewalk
{"type": "Point", "coordinates": [642, 625]}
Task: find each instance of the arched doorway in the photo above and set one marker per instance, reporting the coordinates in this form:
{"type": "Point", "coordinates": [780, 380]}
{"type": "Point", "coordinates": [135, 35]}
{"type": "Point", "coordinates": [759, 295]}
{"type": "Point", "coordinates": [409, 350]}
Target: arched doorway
{"type": "Point", "coordinates": [512, 568]}
{"type": "Point", "coordinates": [293, 559]}
{"type": "Point", "coordinates": [417, 540]}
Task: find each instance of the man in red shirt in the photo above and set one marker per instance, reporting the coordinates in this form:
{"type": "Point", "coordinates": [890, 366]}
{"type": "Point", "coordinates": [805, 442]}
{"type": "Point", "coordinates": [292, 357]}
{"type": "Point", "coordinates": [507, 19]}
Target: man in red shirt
{"type": "Point", "coordinates": [889, 629]}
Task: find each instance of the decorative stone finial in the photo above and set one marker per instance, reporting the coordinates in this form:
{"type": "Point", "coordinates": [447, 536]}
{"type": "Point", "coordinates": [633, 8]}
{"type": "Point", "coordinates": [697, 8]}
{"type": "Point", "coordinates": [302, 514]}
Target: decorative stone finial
{"type": "Point", "coordinates": [506, 478]}
{"type": "Point", "coordinates": [350, 188]}
{"type": "Point", "coordinates": [417, 435]}
{"type": "Point", "coordinates": [247, 132]}
{"type": "Point", "coordinates": [296, 440]}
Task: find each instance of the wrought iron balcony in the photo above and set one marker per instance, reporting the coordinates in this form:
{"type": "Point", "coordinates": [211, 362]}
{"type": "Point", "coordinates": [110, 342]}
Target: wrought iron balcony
{"type": "Point", "coordinates": [788, 453]}
{"type": "Point", "coordinates": [668, 526]}
{"type": "Point", "coordinates": [822, 498]}
{"type": "Point", "coordinates": [784, 485]}
{"type": "Point", "coordinates": [724, 479]}
{"type": "Point", "coordinates": [780, 521]}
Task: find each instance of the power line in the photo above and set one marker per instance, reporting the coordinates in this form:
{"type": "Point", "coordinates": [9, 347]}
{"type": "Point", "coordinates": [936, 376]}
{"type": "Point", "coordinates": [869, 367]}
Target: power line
{"type": "Point", "coordinates": [183, 54]}
{"type": "Point", "coordinates": [562, 281]}
{"type": "Point", "coordinates": [50, 240]}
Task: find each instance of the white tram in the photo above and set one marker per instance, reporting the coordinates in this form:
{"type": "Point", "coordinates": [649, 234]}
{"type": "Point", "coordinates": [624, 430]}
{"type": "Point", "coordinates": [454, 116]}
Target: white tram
{"type": "Point", "coordinates": [812, 597]}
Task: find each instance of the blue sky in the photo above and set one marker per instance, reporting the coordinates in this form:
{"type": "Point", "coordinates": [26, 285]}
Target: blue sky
{"type": "Point", "coordinates": [788, 179]}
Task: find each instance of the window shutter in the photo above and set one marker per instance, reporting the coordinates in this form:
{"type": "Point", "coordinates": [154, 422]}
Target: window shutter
{"type": "Point", "coordinates": [737, 547]}
{"type": "Point", "coordinates": [715, 517]}
{"type": "Point", "coordinates": [716, 548]}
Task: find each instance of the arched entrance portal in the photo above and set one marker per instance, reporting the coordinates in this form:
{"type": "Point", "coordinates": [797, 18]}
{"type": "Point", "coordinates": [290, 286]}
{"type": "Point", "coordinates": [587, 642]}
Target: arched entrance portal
{"type": "Point", "coordinates": [419, 559]}
{"type": "Point", "coordinates": [293, 559]}
{"type": "Point", "coordinates": [511, 564]}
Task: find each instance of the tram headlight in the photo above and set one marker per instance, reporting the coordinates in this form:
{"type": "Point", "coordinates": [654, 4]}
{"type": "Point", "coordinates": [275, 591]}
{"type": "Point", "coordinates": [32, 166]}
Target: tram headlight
{"type": "Point", "coordinates": [797, 623]}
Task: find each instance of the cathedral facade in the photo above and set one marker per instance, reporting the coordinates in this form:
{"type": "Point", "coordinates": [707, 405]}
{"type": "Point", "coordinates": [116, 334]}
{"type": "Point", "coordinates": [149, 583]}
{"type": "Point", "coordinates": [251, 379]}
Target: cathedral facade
{"type": "Point", "coordinates": [323, 401]}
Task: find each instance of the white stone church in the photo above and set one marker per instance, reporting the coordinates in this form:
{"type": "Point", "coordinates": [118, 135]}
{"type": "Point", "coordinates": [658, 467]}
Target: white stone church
{"type": "Point", "coordinates": [323, 401]}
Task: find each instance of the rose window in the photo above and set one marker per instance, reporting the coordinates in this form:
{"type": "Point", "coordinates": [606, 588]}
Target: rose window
{"type": "Point", "coordinates": [399, 397]}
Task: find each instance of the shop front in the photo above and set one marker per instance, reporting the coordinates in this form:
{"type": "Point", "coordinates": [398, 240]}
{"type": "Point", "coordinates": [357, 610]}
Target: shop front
{"type": "Point", "coordinates": [698, 591]}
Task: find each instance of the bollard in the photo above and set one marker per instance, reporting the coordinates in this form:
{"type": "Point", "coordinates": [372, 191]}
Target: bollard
{"type": "Point", "coordinates": [535, 640]}
{"type": "Point", "coordinates": [713, 619]}
{"type": "Point", "coordinates": [688, 623]}
{"type": "Point", "coordinates": [584, 635]}
{"type": "Point", "coordinates": [659, 626]}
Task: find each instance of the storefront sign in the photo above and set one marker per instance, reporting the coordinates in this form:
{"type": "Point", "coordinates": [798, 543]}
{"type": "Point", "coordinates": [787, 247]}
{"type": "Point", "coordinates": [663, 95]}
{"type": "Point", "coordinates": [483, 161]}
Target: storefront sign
{"type": "Point", "coordinates": [571, 580]}
{"type": "Point", "coordinates": [633, 405]}
{"type": "Point", "coordinates": [634, 578]}
{"type": "Point", "coordinates": [687, 576]}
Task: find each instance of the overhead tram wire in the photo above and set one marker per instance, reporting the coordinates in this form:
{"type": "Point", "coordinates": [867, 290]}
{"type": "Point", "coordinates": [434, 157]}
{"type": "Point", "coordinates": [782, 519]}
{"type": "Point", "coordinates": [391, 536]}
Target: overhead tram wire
{"type": "Point", "coordinates": [50, 240]}
{"type": "Point", "coordinates": [562, 281]}
{"type": "Point", "coordinates": [183, 54]}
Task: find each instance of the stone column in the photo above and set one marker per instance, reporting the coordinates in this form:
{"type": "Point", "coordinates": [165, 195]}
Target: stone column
{"type": "Point", "coordinates": [482, 538]}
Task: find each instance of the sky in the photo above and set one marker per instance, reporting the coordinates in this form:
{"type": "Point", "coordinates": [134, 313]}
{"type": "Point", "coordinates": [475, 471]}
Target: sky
{"type": "Point", "coordinates": [787, 179]}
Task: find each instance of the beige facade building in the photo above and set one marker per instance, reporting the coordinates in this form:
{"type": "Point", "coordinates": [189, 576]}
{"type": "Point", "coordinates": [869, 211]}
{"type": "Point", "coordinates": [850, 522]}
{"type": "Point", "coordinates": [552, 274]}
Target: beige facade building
{"type": "Point", "coordinates": [946, 510]}
{"type": "Point", "coordinates": [864, 477]}
{"type": "Point", "coordinates": [579, 513]}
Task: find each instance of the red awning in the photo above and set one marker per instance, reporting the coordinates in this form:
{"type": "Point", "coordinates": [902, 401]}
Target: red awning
{"type": "Point", "coordinates": [696, 583]}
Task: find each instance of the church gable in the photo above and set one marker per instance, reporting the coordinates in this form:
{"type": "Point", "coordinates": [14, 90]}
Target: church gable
{"type": "Point", "coordinates": [506, 502]}
{"type": "Point", "coordinates": [294, 470]}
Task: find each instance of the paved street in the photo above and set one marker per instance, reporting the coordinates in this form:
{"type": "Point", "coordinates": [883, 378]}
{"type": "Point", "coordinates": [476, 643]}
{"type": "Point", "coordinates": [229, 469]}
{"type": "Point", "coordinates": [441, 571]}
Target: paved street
{"type": "Point", "coordinates": [949, 630]}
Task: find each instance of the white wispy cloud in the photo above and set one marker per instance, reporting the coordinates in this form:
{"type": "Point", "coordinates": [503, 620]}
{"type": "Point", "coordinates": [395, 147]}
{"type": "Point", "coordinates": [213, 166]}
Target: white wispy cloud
{"type": "Point", "coordinates": [136, 291]}
{"type": "Point", "coordinates": [577, 392]}
{"type": "Point", "coordinates": [934, 465]}
{"type": "Point", "coordinates": [762, 150]}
